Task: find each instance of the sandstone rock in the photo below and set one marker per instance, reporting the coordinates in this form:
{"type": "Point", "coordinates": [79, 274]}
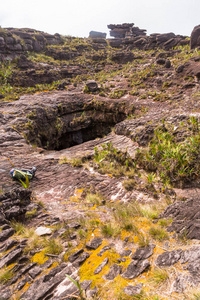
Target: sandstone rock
{"type": "Point", "coordinates": [122, 57]}
{"type": "Point", "coordinates": [143, 253]}
{"type": "Point", "coordinates": [22, 283]}
{"type": "Point", "coordinates": [10, 257]}
{"type": "Point", "coordinates": [75, 255]}
{"type": "Point", "coordinates": [169, 258]}
{"type": "Point", "coordinates": [132, 290]}
{"type": "Point", "coordinates": [168, 64]}
{"type": "Point", "coordinates": [195, 37]}
{"type": "Point", "coordinates": [134, 269]}
{"type": "Point", "coordinates": [43, 231]}
{"type": "Point", "coordinates": [92, 85]}
{"type": "Point", "coordinates": [81, 259]}
{"type": "Point", "coordinates": [34, 272]}
{"type": "Point", "coordinates": [94, 244]}
{"type": "Point", "coordinates": [97, 34]}
{"type": "Point", "coordinates": [186, 217]}
{"type": "Point", "coordinates": [8, 245]}
{"type": "Point", "coordinates": [5, 234]}
{"type": "Point", "coordinates": [47, 283]}
{"type": "Point", "coordinates": [101, 266]}
{"type": "Point", "coordinates": [181, 283]}
{"type": "Point", "coordinates": [104, 249]}
{"type": "Point", "coordinates": [161, 61]}
{"type": "Point", "coordinates": [114, 271]}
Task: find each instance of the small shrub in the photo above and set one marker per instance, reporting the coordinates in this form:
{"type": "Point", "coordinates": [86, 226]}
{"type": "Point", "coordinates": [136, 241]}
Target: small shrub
{"type": "Point", "coordinates": [159, 276]}
{"type": "Point", "coordinates": [5, 275]}
{"type": "Point", "coordinates": [158, 233]}
{"type": "Point", "coordinates": [143, 241]}
{"type": "Point", "coordinates": [53, 246]}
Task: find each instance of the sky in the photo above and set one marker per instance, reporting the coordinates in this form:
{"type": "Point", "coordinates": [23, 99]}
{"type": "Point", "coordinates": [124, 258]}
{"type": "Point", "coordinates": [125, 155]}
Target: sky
{"type": "Point", "coordinates": [79, 17]}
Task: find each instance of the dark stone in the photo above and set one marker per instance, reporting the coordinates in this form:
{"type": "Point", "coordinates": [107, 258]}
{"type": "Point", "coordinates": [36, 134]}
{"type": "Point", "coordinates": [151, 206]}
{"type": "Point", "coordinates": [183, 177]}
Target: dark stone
{"type": "Point", "coordinates": [143, 252]}
{"type": "Point", "coordinates": [45, 285]}
{"type": "Point", "coordinates": [94, 244]}
{"type": "Point", "coordinates": [161, 61]}
{"type": "Point", "coordinates": [91, 293]}
{"type": "Point", "coordinates": [101, 266]}
{"type": "Point", "coordinates": [115, 270]}
{"type": "Point", "coordinates": [186, 218]}
{"type": "Point", "coordinates": [168, 64]}
{"type": "Point", "coordinates": [169, 258]}
{"type": "Point", "coordinates": [34, 272]}
{"type": "Point", "coordinates": [122, 57]}
{"type": "Point", "coordinates": [134, 269]}
{"type": "Point", "coordinates": [73, 236]}
{"type": "Point", "coordinates": [81, 259]}
{"type": "Point", "coordinates": [22, 272]}
{"type": "Point", "coordinates": [85, 284]}
{"type": "Point", "coordinates": [8, 245]}
{"type": "Point", "coordinates": [75, 255]}
{"type": "Point", "coordinates": [22, 283]}
{"type": "Point", "coordinates": [104, 249]}
{"type": "Point", "coordinates": [180, 69]}
{"type": "Point", "coordinates": [5, 234]}
{"type": "Point", "coordinates": [6, 294]}
{"type": "Point", "coordinates": [126, 253]}
{"type": "Point", "coordinates": [92, 85]}
{"type": "Point", "coordinates": [2, 96]}
{"type": "Point", "coordinates": [10, 257]}
{"type": "Point", "coordinates": [97, 34]}
{"type": "Point", "coordinates": [132, 290]}
{"type": "Point", "coordinates": [195, 37]}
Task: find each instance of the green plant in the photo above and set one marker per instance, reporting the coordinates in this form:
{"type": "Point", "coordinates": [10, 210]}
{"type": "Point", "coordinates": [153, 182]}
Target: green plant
{"type": "Point", "coordinates": [31, 214]}
{"type": "Point", "coordinates": [78, 285]}
{"type": "Point", "coordinates": [5, 275]}
{"type": "Point", "coordinates": [159, 276]}
{"type": "Point", "coordinates": [53, 246]}
{"type": "Point", "coordinates": [176, 162]}
{"type": "Point", "coordinates": [26, 183]}
{"type": "Point", "coordinates": [158, 233]}
{"type": "Point", "coordinates": [143, 240]}
{"type": "Point", "coordinates": [75, 162]}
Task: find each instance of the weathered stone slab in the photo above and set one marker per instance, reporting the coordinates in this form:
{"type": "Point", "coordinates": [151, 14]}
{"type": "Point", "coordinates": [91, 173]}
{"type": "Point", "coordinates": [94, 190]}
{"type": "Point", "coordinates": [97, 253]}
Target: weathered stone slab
{"type": "Point", "coordinates": [134, 269]}
{"type": "Point", "coordinates": [132, 290]}
{"type": "Point", "coordinates": [101, 266]}
{"type": "Point", "coordinates": [169, 258]}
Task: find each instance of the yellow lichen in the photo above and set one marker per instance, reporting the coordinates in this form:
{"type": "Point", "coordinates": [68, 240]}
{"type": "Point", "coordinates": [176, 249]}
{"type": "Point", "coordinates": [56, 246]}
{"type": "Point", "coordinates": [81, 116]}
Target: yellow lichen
{"type": "Point", "coordinates": [40, 257]}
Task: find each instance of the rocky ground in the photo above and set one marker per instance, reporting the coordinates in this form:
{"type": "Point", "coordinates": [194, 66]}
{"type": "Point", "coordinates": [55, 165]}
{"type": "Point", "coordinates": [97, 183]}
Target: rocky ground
{"type": "Point", "coordinates": [113, 211]}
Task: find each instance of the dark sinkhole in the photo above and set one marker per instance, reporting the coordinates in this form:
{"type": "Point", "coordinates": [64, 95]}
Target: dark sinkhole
{"type": "Point", "coordinates": [53, 131]}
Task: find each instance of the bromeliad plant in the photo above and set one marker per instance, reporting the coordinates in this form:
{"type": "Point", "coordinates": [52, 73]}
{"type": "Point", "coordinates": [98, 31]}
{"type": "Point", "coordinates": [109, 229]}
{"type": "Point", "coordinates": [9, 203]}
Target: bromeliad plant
{"type": "Point", "coordinates": [177, 162]}
{"type": "Point", "coordinates": [112, 160]}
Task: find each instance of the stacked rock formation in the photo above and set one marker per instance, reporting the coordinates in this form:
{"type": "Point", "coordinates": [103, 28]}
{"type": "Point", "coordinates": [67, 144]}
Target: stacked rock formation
{"type": "Point", "coordinates": [125, 30]}
{"type": "Point", "coordinates": [15, 41]}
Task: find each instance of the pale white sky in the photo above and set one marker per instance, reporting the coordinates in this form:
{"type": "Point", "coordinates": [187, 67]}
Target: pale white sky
{"type": "Point", "coordinates": [79, 17]}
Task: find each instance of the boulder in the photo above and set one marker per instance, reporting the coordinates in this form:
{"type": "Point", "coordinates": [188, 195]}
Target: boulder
{"type": "Point", "coordinates": [195, 37]}
{"type": "Point", "coordinates": [97, 34]}
{"type": "Point", "coordinates": [132, 290]}
{"type": "Point", "coordinates": [134, 269]}
{"type": "Point", "coordinates": [92, 85]}
{"type": "Point", "coordinates": [169, 258]}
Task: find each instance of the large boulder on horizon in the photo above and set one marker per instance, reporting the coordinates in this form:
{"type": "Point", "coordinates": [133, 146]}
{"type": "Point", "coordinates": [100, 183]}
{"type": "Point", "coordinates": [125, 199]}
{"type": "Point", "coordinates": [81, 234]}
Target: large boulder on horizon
{"type": "Point", "coordinates": [97, 34]}
{"type": "Point", "coordinates": [195, 37]}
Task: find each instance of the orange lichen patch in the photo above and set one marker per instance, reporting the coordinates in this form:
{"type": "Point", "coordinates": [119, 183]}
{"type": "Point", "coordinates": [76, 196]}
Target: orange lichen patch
{"type": "Point", "coordinates": [39, 257]}
{"type": "Point", "coordinates": [114, 289]}
{"type": "Point", "coordinates": [77, 195]}
{"type": "Point", "coordinates": [143, 224]}
{"type": "Point", "coordinates": [87, 269]}
{"type": "Point", "coordinates": [124, 234]}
